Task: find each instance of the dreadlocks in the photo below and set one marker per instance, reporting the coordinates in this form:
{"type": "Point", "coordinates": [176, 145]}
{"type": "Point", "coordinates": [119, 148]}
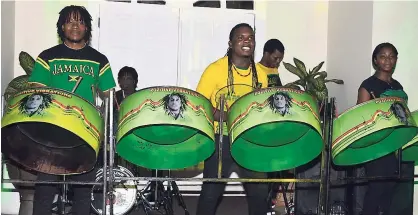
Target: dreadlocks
{"type": "Point", "coordinates": [229, 54]}
{"type": "Point", "coordinates": [79, 13]}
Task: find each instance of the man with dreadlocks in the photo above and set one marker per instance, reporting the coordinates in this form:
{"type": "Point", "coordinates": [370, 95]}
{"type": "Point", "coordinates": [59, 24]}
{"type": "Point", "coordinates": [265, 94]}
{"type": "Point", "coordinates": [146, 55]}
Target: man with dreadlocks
{"type": "Point", "coordinates": [233, 75]}
{"type": "Point", "coordinates": [61, 67]}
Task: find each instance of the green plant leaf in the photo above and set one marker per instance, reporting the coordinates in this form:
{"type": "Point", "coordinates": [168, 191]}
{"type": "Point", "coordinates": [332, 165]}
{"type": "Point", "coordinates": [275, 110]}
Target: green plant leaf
{"type": "Point", "coordinates": [292, 86]}
{"type": "Point", "coordinates": [26, 62]}
{"type": "Point", "coordinates": [300, 82]}
{"type": "Point", "coordinates": [337, 81]}
{"type": "Point", "coordinates": [319, 83]}
{"type": "Point", "coordinates": [317, 68]}
{"type": "Point", "coordinates": [301, 66]}
{"type": "Point", "coordinates": [294, 70]}
{"type": "Point", "coordinates": [17, 85]}
{"type": "Point", "coordinates": [321, 74]}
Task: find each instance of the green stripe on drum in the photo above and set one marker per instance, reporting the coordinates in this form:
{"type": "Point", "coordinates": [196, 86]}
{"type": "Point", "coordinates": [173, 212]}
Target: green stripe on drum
{"type": "Point", "coordinates": [371, 130]}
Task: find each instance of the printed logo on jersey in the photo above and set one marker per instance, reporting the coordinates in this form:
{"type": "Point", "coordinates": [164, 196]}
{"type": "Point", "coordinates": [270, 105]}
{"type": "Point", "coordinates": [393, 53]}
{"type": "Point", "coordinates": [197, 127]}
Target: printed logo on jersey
{"type": "Point", "coordinates": [73, 78]}
{"type": "Point", "coordinates": [273, 80]}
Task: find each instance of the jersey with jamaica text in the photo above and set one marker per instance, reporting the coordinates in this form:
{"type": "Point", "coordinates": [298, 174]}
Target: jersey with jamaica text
{"type": "Point", "coordinates": [61, 67]}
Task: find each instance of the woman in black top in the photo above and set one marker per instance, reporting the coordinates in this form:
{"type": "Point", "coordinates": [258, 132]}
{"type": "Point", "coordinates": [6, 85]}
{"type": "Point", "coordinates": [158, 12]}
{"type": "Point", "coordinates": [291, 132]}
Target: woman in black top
{"type": "Point", "coordinates": [379, 193]}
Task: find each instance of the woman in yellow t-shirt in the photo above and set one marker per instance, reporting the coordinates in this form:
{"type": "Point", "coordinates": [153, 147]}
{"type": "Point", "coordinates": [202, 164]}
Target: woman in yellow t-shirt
{"type": "Point", "coordinates": [233, 75]}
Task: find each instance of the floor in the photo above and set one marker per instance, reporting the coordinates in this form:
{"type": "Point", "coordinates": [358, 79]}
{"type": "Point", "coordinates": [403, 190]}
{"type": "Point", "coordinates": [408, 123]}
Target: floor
{"type": "Point", "coordinates": [229, 206]}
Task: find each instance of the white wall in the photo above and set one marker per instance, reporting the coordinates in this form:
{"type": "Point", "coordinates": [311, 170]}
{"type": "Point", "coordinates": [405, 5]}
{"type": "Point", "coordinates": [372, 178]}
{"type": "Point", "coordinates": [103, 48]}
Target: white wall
{"type": "Point", "coordinates": [8, 42]}
{"type": "Point", "coordinates": [301, 26]}
{"type": "Point", "coordinates": [349, 45]}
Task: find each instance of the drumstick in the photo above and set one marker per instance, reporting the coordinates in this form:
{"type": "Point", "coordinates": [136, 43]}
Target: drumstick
{"type": "Point", "coordinates": [371, 93]}
{"type": "Point", "coordinates": [76, 84]}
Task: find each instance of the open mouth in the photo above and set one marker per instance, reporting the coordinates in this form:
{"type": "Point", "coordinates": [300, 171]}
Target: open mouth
{"type": "Point", "coordinates": [246, 48]}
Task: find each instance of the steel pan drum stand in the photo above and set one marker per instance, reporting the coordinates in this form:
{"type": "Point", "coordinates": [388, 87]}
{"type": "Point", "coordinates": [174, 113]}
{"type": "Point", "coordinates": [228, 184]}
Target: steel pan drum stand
{"type": "Point", "coordinates": [163, 199]}
{"type": "Point", "coordinates": [62, 201]}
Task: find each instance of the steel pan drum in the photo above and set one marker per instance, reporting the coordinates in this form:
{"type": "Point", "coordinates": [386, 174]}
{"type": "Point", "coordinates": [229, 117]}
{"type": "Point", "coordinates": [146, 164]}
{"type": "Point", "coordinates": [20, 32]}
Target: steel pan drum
{"type": "Point", "coordinates": [165, 128]}
{"type": "Point", "coordinates": [274, 129]}
{"type": "Point", "coordinates": [371, 130]}
{"type": "Point", "coordinates": [410, 150]}
{"type": "Point", "coordinates": [52, 131]}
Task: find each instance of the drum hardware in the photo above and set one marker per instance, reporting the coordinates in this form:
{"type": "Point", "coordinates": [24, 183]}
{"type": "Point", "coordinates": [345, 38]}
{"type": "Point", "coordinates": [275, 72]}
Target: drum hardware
{"type": "Point", "coordinates": [124, 195]}
{"type": "Point", "coordinates": [220, 142]}
{"type": "Point", "coordinates": [112, 150]}
{"type": "Point", "coordinates": [281, 187]}
{"type": "Point", "coordinates": [60, 206]}
{"type": "Point", "coordinates": [163, 198]}
{"type": "Point", "coordinates": [328, 118]}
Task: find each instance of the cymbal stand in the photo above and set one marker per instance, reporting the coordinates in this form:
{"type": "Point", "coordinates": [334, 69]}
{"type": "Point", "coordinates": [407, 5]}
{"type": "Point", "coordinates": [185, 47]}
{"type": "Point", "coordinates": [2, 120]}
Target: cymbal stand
{"type": "Point", "coordinates": [163, 198]}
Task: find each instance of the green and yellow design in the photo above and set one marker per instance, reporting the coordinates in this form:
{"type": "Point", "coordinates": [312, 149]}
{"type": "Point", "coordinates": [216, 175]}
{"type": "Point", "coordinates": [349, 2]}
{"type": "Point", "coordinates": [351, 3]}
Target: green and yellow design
{"type": "Point", "coordinates": [274, 129]}
{"type": "Point", "coordinates": [165, 128]}
{"type": "Point", "coordinates": [60, 109]}
{"type": "Point", "coordinates": [371, 130]}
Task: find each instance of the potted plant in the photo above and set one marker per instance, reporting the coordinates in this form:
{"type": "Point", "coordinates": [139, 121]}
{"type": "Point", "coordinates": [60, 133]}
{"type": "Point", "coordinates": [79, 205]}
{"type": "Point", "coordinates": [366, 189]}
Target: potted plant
{"type": "Point", "coordinates": [312, 81]}
{"type": "Point", "coordinates": [21, 82]}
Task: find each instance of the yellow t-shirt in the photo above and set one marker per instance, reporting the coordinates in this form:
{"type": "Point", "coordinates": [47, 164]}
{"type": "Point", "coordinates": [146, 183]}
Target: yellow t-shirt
{"type": "Point", "coordinates": [214, 82]}
{"type": "Point", "coordinates": [272, 74]}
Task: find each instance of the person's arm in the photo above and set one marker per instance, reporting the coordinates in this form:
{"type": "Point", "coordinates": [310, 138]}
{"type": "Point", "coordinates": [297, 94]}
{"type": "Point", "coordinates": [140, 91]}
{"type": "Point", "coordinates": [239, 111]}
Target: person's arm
{"type": "Point", "coordinates": [41, 73]}
{"type": "Point", "coordinates": [106, 80]}
{"type": "Point", "coordinates": [207, 85]}
{"type": "Point", "coordinates": [363, 95]}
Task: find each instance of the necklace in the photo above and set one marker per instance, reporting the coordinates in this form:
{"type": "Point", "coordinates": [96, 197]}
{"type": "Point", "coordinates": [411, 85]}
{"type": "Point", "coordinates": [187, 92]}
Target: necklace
{"type": "Point", "coordinates": [235, 68]}
{"type": "Point", "coordinates": [75, 49]}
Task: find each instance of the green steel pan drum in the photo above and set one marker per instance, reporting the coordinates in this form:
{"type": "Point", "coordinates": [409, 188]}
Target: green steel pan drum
{"type": "Point", "coordinates": [410, 150]}
{"type": "Point", "coordinates": [52, 131]}
{"type": "Point", "coordinates": [371, 130]}
{"type": "Point", "coordinates": [165, 128]}
{"type": "Point", "coordinates": [275, 129]}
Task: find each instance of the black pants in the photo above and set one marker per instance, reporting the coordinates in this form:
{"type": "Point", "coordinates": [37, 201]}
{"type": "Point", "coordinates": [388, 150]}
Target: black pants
{"type": "Point", "coordinates": [44, 194]}
{"type": "Point", "coordinates": [379, 193]}
{"type": "Point", "coordinates": [26, 191]}
{"type": "Point", "coordinates": [212, 192]}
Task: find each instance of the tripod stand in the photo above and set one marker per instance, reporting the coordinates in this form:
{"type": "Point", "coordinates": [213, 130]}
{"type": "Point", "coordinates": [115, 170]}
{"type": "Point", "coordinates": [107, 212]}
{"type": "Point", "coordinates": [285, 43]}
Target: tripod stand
{"type": "Point", "coordinates": [62, 206]}
{"type": "Point", "coordinates": [156, 199]}
{"type": "Point", "coordinates": [281, 187]}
